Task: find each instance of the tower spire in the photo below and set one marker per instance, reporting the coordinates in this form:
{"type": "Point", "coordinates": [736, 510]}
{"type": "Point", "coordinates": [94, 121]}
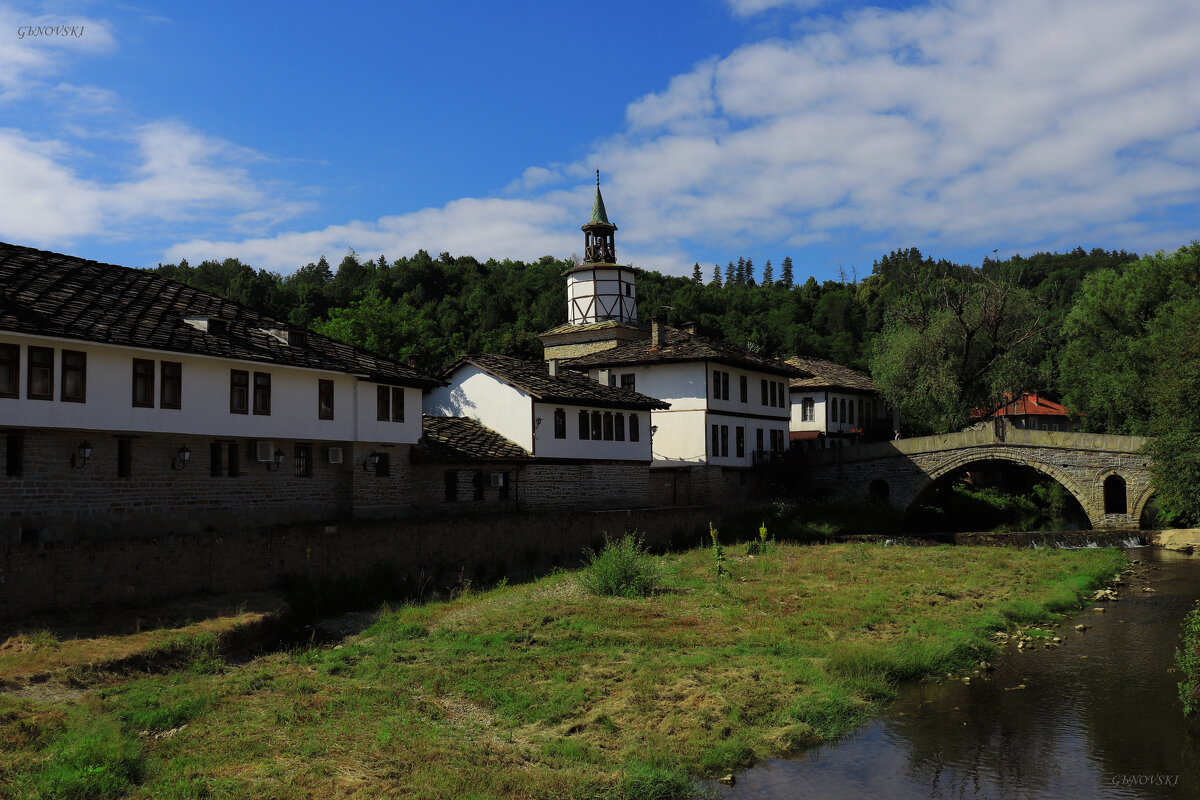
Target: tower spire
{"type": "Point", "coordinates": [599, 243]}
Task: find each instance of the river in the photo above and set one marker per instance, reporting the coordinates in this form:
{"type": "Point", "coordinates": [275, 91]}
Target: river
{"type": "Point", "coordinates": [1096, 717]}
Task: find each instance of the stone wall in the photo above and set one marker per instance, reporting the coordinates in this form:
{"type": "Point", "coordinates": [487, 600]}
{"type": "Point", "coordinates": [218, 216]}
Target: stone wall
{"type": "Point", "coordinates": [51, 500]}
{"type": "Point", "coordinates": [424, 554]}
{"type": "Point", "coordinates": [617, 484]}
{"type": "Point", "coordinates": [429, 488]}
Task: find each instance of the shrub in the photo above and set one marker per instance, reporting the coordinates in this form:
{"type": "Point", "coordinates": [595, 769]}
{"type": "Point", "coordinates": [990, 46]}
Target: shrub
{"type": "Point", "coordinates": [622, 569]}
{"type": "Point", "coordinates": [718, 553]}
{"type": "Point", "coordinates": [1187, 658]}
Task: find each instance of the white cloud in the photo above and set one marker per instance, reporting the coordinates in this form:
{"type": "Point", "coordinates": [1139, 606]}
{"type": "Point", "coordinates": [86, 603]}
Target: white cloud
{"type": "Point", "coordinates": [177, 175]}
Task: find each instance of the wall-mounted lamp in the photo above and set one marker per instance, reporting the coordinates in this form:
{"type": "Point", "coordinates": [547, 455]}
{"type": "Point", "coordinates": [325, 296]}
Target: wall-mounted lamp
{"type": "Point", "coordinates": [370, 462]}
{"type": "Point", "coordinates": [277, 462]}
{"type": "Point", "coordinates": [180, 459]}
{"type": "Point", "coordinates": [81, 455]}
{"type": "Point", "coordinates": [653, 430]}
{"type": "Point", "coordinates": [537, 423]}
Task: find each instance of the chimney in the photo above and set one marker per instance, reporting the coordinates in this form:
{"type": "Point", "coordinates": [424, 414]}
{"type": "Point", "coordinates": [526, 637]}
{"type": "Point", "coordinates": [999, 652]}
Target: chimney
{"type": "Point", "coordinates": [411, 361]}
{"type": "Point", "coordinates": [553, 367]}
{"type": "Point", "coordinates": [603, 376]}
{"type": "Point", "coordinates": [656, 334]}
{"type": "Point", "coordinates": [689, 327]}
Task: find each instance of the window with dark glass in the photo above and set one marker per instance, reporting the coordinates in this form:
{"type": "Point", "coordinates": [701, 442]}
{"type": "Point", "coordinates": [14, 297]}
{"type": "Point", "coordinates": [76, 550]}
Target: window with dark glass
{"type": "Point", "coordinates": [724, 440]}
{"type": "Point", "coordinates": [450, 485]}
{"type": "Point", "coordinates": [620, 427]}
{"type": "Point", "coordinates": [608, 426]}
{"type": "Point", "coordinates": [239, 391]}
{"type": "Point", "coordinates": [716, 440]}
{"type": "Point", "coordinates": [740, 440]}
{"type": "Point", "coordinates": [634, 428]}
{"type": "Point", "coordinates": [383, 403]}
{"type": "Point", "coordinates": [10, 370]}
{"type": "Point", "coordinates": [124, 458]}
{"type": "Point", "coordinates": [833, 417]}
{"type": "Point", "coordinates": [628, 381]}
{"type": "Point", "coordinates": [724, 385]}
{"type": "Point", "coordinates": [383, 468]}
{"type": "Point", "coordinates": [143, 383]}
{"type": "Point", "coordinates": [40, 381]}
{"type": "Point", "coordinates": [774, 390]}
{"type": "Point", "coordinates": [560, 424]}
{"type": "Point", "coordinates": [302, 459]}
{"type": "Point", "coordinates": [504, 491]}
{"type": "Point", "coordinates": [262, 393]}
{"type": "Point", "coordinates": [851, 418]}
{"type": "Point", "coordinates": [758, 440]}
{"type": "Point", "coordinates": [584, 425]}
{"type": "Point", "coordinates": [324, 399]}
{"type": "Point", "coordinates": [763, 387]}
{"type": "Point", "coordinates": [716, 384]}
{"type": "Point", "coordinates": [480, 482]}
{"type": "Point", "coordinates": [597, 426]}
{"type": "Point", "coordinates": [74, 376]}
{"type": "Point", "coordinates": [14, 455]}
{"type": "Point", "coordinates": [744, 388]}
{"type": "Point", "coordinates": [170, 390]}
{"type": "Point", "coordinates": [397, 404]}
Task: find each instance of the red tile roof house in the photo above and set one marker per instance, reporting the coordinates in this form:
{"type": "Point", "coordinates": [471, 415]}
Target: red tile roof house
{"type": "Point", "coordinates": [1032, 412]}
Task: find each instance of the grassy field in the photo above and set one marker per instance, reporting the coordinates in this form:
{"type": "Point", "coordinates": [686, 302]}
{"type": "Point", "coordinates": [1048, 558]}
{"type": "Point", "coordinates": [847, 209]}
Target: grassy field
{"type": "Point", "coordinates": [542, 690]}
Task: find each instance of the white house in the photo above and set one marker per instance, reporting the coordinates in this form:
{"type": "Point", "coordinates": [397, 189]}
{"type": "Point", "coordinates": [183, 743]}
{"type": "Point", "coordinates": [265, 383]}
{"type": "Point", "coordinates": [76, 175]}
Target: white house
{"type": "Point", "coordinates": [594, 439]}
{"type": "Point", "coordinates": [135, 403]}
{"type": "Point", "coordinates": [728, 408]}
{"type": "Point", "coordinates": [835, 406]}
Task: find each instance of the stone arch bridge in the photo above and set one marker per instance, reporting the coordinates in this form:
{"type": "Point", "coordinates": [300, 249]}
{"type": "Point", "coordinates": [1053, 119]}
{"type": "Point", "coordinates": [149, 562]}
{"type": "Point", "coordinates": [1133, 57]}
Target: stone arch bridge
{"type": "Point", "coordinates": [1108, 475]}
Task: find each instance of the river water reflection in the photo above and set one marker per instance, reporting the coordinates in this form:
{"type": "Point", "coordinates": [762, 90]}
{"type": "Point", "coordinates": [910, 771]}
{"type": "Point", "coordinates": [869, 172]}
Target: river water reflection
{"type": "Point", "coordinates": [1099, 717]}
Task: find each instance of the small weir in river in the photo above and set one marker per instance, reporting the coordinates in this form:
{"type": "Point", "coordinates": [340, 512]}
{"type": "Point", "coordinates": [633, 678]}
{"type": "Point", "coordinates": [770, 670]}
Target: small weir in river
{"type": "Point", "coordinates": [1097, 717]}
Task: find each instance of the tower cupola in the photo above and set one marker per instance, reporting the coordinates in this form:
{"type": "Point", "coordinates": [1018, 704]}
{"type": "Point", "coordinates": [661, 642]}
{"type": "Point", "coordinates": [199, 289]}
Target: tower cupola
{"type": "Point", "coordinates": [600, 289]}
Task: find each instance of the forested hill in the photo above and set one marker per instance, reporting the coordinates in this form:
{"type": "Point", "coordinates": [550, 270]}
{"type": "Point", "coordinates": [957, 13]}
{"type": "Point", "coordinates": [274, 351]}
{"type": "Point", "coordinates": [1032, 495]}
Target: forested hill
{"type": "Point", "coordinates": [437, 309]}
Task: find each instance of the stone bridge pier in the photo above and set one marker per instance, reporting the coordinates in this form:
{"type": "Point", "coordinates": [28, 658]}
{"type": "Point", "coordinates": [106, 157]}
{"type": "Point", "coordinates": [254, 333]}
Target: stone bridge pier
{"type": "Point", "coordinates": [1108, 475]}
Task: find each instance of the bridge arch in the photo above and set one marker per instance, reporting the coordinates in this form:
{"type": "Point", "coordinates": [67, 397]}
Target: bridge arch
{"type": "Point", "coordinates": [979, 454]}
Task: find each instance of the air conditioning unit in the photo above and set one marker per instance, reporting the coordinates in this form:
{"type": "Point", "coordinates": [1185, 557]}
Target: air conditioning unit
{"type": "Point", "coordinates": [264, 451]}
{"type": "Point", "coordinates": [496, 479]}
{"type": "Point", "coordinates": [333, 455]}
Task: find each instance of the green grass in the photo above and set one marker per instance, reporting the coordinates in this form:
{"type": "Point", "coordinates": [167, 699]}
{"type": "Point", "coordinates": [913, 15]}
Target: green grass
{"type": "Point", "coordinates": [545, 690]}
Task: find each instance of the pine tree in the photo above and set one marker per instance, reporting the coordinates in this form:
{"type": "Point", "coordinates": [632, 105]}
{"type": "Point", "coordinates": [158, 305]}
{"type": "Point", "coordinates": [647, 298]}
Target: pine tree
{"type": "Point", "coordinates": [768, 273]}
{"type": "Point", "coordinates": [740, 275]}
{"type": "Point", "coordinates": [716, 281]}
{"type": "Point", "coordinates": [697, 278]}
{"type": "Point", "coordinates": [750, 272]}
{"type": "Point", "coordinates": [785, 272]}
{"type": "Point", "coordinates": [729, 274]}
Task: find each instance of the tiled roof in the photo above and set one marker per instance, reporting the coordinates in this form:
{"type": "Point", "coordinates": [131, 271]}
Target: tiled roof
{"type": "Point", "coordinates": [1029, 403]}
{"type": "Point", "coordinates": [828, 375]}
{"type": "Point", "coordinates": [50, 294]}
{"type": "Point", "coordinates": [587, 327]}
{"type": "Point", "coordinates": [463, 439]}
{"type": "Point", "coordinates": [679, 346]}
{"type": "Point", "coordinates": [570, 386]}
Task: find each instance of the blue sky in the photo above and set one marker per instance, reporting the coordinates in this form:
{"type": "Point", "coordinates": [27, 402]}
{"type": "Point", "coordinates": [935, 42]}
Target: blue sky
{"type": "Point", "coordinates": [831, 132]}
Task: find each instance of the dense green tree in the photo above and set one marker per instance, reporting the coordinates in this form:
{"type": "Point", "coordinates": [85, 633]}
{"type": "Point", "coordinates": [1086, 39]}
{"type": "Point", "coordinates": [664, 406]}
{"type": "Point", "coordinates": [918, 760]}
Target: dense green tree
{"type": "Point", "coordinates": [956, 344]}
{"type": "Point", "coordinates": [697, 277]}
{"type": "Point", "coordinates": [768, 277]}
{"type": "Point", "coordinates": [716, 278]}
{"type": "Point", "coordinates": [785, 272]}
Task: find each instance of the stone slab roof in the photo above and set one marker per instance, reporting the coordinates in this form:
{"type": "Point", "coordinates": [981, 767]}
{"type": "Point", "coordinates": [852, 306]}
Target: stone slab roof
{"type": "Point", "coordinates": [569, 386]}
{"type": "Point", "coordinates": [588, 327]}
{"type": "Point", "coordinates": [680, 346]}
{"type": "Point", "coordinates": [50, 294]}
{"type": "Point", "coordinates": [446, 439]}
{"type": "Point", "coordinates": [828, 375]}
